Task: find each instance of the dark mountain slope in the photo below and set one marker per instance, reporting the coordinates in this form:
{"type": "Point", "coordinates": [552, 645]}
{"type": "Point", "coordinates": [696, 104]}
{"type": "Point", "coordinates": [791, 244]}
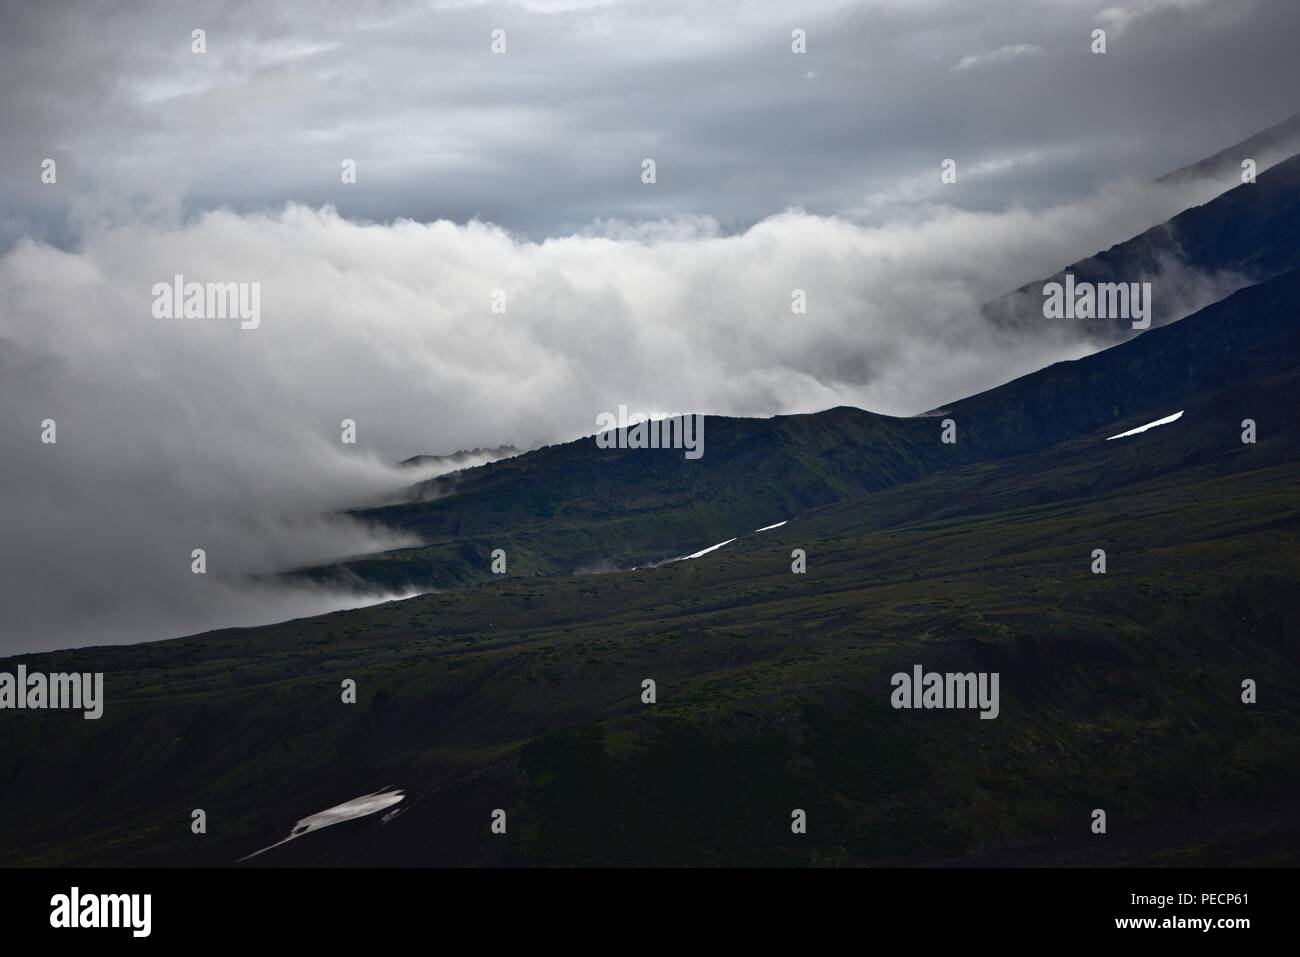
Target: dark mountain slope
{"type": "Point", "coordinates": [1251, 232]}
{"type": "Point", "coordinates": [576, 507]}
{"type": "Point", "coordinates": [1138, 377]}
{"type": "Point", "coordinates": [566, 507]}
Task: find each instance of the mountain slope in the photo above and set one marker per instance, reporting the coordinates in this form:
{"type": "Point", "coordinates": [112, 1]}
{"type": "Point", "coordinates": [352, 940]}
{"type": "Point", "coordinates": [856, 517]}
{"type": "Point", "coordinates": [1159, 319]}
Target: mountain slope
{"type": "Point", "coordinates": [1248, 234]}
{"type": "Point", "coordinates": [1139, 377]}
{"type": "Point", "coordinates": [1119, 691]}
{"type": "Point", "coordinates": [576, 507]}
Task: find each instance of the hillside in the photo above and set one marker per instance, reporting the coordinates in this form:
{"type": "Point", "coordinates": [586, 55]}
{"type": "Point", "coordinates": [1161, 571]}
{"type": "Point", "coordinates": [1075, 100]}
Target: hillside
{"type": "Point", "coordinates": [1119, 691]}
{"type": "Point", "coordinates": [575, 507]}
{"type": "Point", "coordinates": [1246, 235]}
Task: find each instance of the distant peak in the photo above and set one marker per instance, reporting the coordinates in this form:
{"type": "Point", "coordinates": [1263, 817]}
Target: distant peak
{"type": "Point", "coordinates": [459, 457]}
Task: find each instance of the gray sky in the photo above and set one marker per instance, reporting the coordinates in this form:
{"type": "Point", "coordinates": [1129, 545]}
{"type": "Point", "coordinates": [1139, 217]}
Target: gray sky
{"type": "Point", "coordinates": [549, 137]}
{"type": "Point", "coordinates": [521, 172]}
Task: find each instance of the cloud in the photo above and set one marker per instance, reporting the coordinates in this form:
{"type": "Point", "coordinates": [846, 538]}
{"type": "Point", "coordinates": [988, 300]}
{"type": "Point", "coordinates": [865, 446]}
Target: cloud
{"type": "Point", "coordinates": [175, 434]}
{"type": "Point", "coordinates": [1120, 18]}
{"type": "Point", "coordinates": [1006, 54]}
{"type": "Point", "coordinates": [550, 136]}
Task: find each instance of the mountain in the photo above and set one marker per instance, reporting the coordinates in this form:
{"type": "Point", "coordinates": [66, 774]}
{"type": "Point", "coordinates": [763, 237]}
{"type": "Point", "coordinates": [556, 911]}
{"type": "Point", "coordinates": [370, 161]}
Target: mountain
{"type": "Point", "coordinates": [458, 459]}
{"type": "Point", "coordinates": [1160, 368]}
{"type": "Point", "coordinates": [1218, 246]}
{"type": "Point", "coordinates": [575, 507]}
{"type": "Point", "coordinates": [1120, 690]}
{"type": "Point", "coordinates": [570, 507]}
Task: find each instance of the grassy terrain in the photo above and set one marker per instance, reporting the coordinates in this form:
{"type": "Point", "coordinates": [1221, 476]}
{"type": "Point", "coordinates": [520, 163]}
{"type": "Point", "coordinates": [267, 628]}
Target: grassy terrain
{"type": "Point", "coordinates": [1118, 691]}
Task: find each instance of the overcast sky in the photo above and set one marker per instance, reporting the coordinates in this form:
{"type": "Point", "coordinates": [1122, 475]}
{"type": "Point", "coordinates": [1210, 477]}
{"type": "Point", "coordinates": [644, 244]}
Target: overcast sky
{"type": "Point", "coordinates": [521, 172]}
{"type": "Point", "coordinates": [549, 137]}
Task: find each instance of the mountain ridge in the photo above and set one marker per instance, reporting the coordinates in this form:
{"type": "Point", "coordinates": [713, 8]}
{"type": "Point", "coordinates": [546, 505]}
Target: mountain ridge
{"type": "Point", "coordinates": [612, 508]}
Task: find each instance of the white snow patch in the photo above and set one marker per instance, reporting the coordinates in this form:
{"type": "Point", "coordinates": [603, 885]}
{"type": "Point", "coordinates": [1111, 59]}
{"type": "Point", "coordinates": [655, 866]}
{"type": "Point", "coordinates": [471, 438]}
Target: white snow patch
{"type": "Point", "coordinates": [766, 527]}
{"type": "Point", "coordinates": [1150, 425]}
{"type": "Point", "coordinates": [363, 806]}
{"type": "Point", "coordinates": [702, 551]}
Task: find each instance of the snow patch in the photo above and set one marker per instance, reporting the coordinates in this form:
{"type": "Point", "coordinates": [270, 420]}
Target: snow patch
{"type": "Point", "coordinates": [702, 551]}
{"type": "Point", "coordinates": [1150, 425]}
{"type": "Point", "coordinates": [766, 527]}
{"type": "Point", "coordinates": [363, 806]}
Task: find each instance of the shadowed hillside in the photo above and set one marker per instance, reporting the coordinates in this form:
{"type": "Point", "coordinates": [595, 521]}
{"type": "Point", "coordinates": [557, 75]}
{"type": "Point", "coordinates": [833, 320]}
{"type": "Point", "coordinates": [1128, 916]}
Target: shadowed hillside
{"type": "Point", "coordinates": [576, 507]}
{"type": "Point", "coordinates": [1248, 234]}
{"type": "Point", "coordinates": [1119, 691]}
